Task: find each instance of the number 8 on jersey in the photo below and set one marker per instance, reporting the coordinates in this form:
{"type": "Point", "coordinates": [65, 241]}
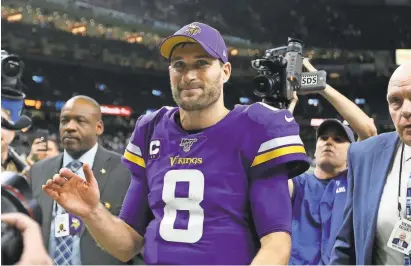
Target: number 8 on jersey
{"type": "Point", "coordinates": [194, 231]}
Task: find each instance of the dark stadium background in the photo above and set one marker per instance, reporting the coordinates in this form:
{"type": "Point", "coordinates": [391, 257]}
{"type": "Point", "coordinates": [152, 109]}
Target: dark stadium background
{"type": "Point", "coordinates": [108, 49]}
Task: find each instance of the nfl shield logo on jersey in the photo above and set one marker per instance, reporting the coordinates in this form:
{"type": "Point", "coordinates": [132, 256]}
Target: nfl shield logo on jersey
{"type": "Point", "coordinates": [187, 143]}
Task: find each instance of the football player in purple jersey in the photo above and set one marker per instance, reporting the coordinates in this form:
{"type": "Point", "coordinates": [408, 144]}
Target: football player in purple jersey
{"type": "Point", "coordinates": [208, 184]}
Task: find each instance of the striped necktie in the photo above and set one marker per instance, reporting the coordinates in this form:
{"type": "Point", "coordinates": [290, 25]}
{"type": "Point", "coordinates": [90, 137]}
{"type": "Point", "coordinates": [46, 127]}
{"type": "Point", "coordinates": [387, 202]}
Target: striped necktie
{"type": "Point", "coordinates": [64, 245]}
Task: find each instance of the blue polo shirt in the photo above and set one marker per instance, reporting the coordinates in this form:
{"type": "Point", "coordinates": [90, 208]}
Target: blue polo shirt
{"type": "Point", "coordinates": [318, 207]}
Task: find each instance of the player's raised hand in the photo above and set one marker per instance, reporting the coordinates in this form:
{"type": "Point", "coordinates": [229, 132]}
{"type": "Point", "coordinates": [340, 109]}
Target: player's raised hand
{"type": "Point", "coordinates": [74, 194]}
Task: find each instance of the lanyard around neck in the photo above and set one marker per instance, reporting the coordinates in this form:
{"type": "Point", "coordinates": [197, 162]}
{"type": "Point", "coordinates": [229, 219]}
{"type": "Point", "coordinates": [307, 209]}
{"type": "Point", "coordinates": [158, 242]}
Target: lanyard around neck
{"type": "Point", "coordinates": [399, 184]}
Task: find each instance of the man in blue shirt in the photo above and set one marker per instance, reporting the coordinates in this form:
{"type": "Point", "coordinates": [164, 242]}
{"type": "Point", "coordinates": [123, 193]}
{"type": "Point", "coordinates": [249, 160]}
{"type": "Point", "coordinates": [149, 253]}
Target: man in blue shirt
{"type": "Point", "coordinates": [319, 198]}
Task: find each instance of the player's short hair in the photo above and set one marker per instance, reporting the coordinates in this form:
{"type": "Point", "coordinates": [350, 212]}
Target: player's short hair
{"type": "Point", "coordinates": [182, 44]}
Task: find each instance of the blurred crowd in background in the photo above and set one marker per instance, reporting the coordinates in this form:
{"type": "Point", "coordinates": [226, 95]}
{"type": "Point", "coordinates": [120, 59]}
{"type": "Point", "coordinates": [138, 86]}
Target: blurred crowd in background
{"type": "Point", "coordinates": [108, 50]}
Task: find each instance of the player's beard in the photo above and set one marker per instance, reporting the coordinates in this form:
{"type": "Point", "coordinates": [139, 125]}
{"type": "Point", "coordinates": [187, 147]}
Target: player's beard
{"type": "Point", "coordinates": [210, 94]}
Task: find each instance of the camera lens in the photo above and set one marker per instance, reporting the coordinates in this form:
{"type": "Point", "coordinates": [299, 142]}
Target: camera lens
{"type": "Point", "coordinates": [11, 67]}
{"type": "Point", "coordinates": [16, 196]}
{"type": "Point", "coordinates": [263, 85]}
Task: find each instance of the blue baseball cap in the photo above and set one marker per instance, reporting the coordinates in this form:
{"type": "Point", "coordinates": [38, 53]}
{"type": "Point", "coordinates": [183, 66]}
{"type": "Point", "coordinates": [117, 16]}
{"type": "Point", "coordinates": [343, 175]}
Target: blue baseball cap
{"type": "Point", "coordinates": [349, 134]}
{"type": "Point", "coordinates": [208, 37]}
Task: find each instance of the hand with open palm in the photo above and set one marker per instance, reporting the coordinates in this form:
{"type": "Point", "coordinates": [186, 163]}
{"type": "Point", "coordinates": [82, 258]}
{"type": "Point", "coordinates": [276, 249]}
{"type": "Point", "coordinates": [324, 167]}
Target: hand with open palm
{"type": "Point", "coordinates": [76, 195]}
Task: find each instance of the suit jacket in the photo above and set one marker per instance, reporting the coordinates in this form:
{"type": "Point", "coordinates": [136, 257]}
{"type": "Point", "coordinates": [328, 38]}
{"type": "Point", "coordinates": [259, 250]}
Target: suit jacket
{"type": "Point", "coordinates": [369, 163]}
{"type": "Point", "coordinates": [395, 241]}
{"type": "Point", "coordinates": [113, 183]}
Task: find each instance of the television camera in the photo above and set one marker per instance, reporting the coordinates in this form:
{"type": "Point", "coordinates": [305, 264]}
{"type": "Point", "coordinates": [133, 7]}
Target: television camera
{"type": "Point", "coordinates": [280, 75]}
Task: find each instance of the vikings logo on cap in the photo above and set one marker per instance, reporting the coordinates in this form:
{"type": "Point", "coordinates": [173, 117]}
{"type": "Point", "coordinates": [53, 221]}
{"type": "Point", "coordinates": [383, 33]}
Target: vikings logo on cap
{"type": "Point", "coordinates": [208, 37]}
{"type": "Point", "coordinates": [192, 29]}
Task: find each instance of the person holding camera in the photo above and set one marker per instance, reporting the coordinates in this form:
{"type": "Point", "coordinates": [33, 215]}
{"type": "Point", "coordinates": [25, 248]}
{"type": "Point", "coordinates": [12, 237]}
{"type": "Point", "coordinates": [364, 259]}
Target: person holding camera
{"type": "Point", "coordinates": [12, 103]}
{"type": "Point", "coordinates": [34, 252]}
{"type": "Point", "coordinates": [318, 198]}
{"type": "Point", "coordinates": [16, 191]}
{"type": "Point", "coordinates": [41, 149]}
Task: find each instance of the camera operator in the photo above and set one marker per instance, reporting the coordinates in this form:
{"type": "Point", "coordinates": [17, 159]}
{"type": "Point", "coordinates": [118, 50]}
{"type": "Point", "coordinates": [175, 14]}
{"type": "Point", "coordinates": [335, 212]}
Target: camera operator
{"type": "Point", "coordinates": [34, 252]}
{"type": "Point", "coordinates": [20, 235]}
{"type": "Point", "coordinates": [12, 102]}
{"type": "Point", "coordinates": [319, 198]}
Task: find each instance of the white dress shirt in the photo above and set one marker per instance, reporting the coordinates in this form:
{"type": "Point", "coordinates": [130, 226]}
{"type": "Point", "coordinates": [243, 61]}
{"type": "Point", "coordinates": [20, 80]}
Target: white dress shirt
{"type": "Point", "coordinates": [388, 210]}
{"type": "Point", "coordinates": [87, 157]}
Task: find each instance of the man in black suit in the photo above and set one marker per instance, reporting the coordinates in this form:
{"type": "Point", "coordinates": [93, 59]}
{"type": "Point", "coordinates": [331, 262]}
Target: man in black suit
{"type": "Point", "coordinates": [400, 241]}
{"type": "Point", "coordinates": [80, 126]}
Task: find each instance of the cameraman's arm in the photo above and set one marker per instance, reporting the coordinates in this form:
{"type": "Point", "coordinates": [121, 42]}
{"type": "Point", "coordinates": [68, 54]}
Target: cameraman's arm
{"type": "Point", "coordinates": [34, 252]}
{"type": "Point", "coordinates": [361, 123]}
{"type": "Point", "coordinates": [293, 103]}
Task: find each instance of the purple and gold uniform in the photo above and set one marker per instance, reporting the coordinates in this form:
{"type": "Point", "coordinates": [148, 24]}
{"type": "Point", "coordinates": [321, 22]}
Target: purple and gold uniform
{"type": "Point", "coordinates": [207, 197]}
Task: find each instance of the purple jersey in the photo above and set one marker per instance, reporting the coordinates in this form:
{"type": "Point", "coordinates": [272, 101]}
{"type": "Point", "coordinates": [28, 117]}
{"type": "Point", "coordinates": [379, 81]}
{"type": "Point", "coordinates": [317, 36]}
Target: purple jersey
{"type": "Point", "coordinates": [210, 193]}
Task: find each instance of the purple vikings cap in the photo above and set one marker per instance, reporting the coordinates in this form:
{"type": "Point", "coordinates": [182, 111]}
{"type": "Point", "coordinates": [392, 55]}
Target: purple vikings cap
{"type": "Point", "coordinates": [336, 123]}
{"type": "Point", "coordinates": [208, 37]}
